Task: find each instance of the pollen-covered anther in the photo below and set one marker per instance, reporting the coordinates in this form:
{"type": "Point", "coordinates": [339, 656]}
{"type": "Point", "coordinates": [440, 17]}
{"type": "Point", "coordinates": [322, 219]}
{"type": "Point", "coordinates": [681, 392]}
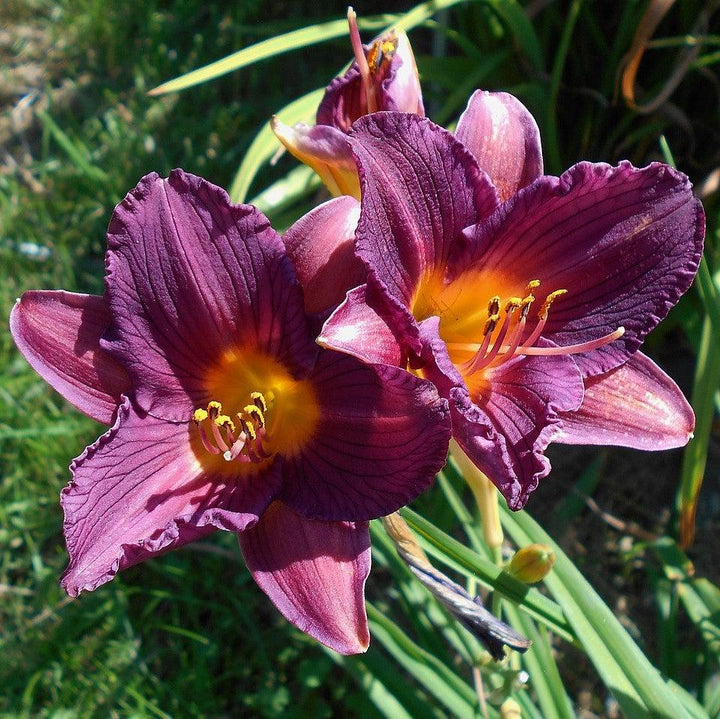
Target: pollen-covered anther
{"type": "Point", "coordinates": [490, 324]}
{"type": "Point", "coordinates": [543, 312]}
{"type": "Point", "coordinates": [512, 338]}
{"type": "Point", "coordinates": [256, 413]}
{"type": "Point", "coordinates": [244, 445]}
{"type": "Point", "coordinates": [381, 50]}
{"type": "Point", "coordinates": [258, 398]}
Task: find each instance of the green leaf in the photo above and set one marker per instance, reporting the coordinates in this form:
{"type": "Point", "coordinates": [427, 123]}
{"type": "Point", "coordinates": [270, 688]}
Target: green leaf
{"type": "Point", "coordinates": [295, 40]}
{"type": "Point", "coordinates": [700, 598]}
{"type": "Point", "coordinates": [76, 152]}
{"type": "Point", "coordinates": [435, 676]}
{"type": "Point", "coordinates": [265, 144]}
{"type": "Point", "coordinates": [541, 666]}
{"type": "Point", "coordinates": [373, 677]}
{"type": "Point", "coordinates": [635, 683]}
{"type": "Point", "coordinates": [453, 554]}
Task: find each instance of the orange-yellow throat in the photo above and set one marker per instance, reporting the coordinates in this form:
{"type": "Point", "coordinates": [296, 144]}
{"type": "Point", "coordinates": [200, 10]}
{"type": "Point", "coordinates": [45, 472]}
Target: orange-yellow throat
{"type": "Point", "coordinates": [257, 411]}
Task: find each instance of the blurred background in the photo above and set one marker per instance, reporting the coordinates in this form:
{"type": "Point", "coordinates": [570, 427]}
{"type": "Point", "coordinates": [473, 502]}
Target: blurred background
{"type": "Point", "coordinates": [190, 634]}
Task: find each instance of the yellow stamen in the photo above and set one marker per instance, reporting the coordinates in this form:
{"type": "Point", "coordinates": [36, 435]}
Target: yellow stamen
{"type": "Point", "coordinates": [525, 305]}
{"type": "Point", "coordinates": [222, 420]}
{"type": "Point", "coordinates": [199, 415]}
{"type": "Point", "coordinates": [214, 408]}
{"type": "Point", "coordinates": [248, 428]}
{"type": "Point", "coordinates": [490, 324]}
{"type": "Point", "coordinates": [532, 285]}
{"type": "Point", "coordinates": [256, 413]}
{"type": "Point", "coordinates": [512, 304]}
{"type": "Point", "coordinates": [548, 301]}
{"type": "Point", "coordinates": [259, 399]}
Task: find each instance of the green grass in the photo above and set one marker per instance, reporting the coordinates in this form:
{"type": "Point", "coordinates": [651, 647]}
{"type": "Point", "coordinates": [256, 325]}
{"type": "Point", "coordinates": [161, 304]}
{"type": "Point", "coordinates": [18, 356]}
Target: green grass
{"type": "Point", "coordinates": [189, 634]}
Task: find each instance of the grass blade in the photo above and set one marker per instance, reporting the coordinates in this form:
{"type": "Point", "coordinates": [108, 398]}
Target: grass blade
{"type": "Point", "coordinates": [435, 676]}
{"type": "Point", "coordinates": [295, 40]}
{"type": "Point", "coordinates": [635, 683]}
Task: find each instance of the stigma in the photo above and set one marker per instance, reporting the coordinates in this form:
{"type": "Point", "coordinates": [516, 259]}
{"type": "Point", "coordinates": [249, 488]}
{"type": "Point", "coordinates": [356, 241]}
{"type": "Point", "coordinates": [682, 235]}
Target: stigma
{"type": "Point", "coordinates": [512, 328]}
{"type": "Point", "coordinates": [242, 438]}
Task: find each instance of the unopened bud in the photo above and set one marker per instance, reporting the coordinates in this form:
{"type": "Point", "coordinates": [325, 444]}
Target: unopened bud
{"type": "Point", "coordinates": [510, 709]}
{"type": "Point", "coordinates": [532, 563]}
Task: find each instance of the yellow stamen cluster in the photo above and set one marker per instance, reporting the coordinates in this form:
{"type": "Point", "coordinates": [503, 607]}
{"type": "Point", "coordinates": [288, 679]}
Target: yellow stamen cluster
{"type": "Point", "coordinates": [245, 443]}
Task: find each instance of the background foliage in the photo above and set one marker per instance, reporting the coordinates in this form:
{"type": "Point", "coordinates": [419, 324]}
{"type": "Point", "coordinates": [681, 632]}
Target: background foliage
{"type": "Point", "coordinates": [189, 634]}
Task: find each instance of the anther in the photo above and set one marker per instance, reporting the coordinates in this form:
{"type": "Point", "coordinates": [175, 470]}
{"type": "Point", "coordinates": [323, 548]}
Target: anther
{"type": "Point", "coordinates": [222, 420]}
{"type": "Point", "coordinates": [256, 413]}
{"type": "Point", "coordinates": [214, 408]}
{"type": "Point", "coordinates": [490, 324]}
{"type": "Point", "coordinates": [248, 428]}
{"type": "Point", "coordinates": [199, 415]}
{"type": "Point", "coordinates": [259, 399]}
{"type": "Point", "coordinates": [532, 285]}
{"type": "Point", "coordinates": [494, 306]}
{"type": "Point", "coordinates": [548, 301]}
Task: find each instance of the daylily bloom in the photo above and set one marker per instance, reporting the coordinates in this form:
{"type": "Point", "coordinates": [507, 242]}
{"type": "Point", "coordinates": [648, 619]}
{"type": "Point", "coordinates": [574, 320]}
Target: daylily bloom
{"type": "Point", "coordinates": [225, 413]}
{"type": "Point", "coordinates": [527, 314]}
{"type": "Point", "coordinates": [383, 76]}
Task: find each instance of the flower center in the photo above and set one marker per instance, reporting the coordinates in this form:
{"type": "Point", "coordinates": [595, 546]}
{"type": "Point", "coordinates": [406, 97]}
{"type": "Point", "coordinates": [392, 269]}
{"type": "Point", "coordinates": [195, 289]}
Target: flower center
{"type": "Point", "coordinates": [257, 410]}
{"type": "Point", "coordinates": [480, 335]}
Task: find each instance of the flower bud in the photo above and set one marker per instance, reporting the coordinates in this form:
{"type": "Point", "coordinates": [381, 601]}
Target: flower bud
{"type": "Point", "coordinates": [532, 563]}
{"type": "Point", "coordinates": [510, 709]}
{"type": "Point", "coordinates": [384, 76]}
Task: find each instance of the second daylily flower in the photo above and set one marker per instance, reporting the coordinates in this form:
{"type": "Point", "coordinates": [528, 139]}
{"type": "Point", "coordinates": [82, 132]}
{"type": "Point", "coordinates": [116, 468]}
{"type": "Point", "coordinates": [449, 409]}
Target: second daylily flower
{"type": "Point", "coordinates": [225, 414]}
{"type": "Point", "coordinates": [527, 314]}
{"type": "Point", "coordinates": [382, 77]}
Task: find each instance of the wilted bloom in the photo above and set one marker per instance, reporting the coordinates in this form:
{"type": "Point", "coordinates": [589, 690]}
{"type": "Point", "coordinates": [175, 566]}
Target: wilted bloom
{"type": "Point", "coordinates": [527, 314]}
{"type": "Point", "coordinates": [382, 77]}
{"type": "Point", "coordinates": [225, 414]}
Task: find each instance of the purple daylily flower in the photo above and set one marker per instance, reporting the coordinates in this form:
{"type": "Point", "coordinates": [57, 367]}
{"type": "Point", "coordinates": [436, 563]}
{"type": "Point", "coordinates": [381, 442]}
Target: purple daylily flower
{"type": "Point", "coordinates": [523, 297]}
{"type": "Point", "coordinates": [225, 414]}
{"type": "Point", "coordinates": [383, 76]}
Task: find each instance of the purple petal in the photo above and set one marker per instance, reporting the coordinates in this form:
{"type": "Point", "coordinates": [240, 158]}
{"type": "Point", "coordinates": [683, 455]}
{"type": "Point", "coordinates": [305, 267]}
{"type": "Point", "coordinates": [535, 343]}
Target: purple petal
{"type": "Point", "coordinates": [344, 101]}
{"type": "Point", "coordinates": [522, 398]}
{"type": "Point", "coordinates": [382, 436]}
{"type": "Point", "coordinates": [504, 137]}
{"type": "Point", "coordinates": [59, 334]}
{"type": "Point", "coordinates": [400, 90]}
{"type": "Point", "coordinates": [321, 245]}
{"type": "Point", "coordinates": [508, 416]}
{"type": "Point", "coordinates": [141, 489]}
{"type": "Point", "coordinates": [421, 188]}
{"type": "Point", "coordinates": [624, 242]}
{"type": "Point", "coordinates": [314, 572]}
{"type": "Point", "coordinates": [192, 277]}
{"type": "Point", "coordinates": [635, 405]}
{"type": "Point", "coordinates": [324, 149]}
{"type": "Point", "coordinates": [357, 329]}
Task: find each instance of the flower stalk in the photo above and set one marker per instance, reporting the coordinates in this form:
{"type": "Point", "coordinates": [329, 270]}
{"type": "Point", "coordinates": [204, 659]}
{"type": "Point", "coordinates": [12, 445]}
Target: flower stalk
{"type": "Point", "coordinates": [486, 498]}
